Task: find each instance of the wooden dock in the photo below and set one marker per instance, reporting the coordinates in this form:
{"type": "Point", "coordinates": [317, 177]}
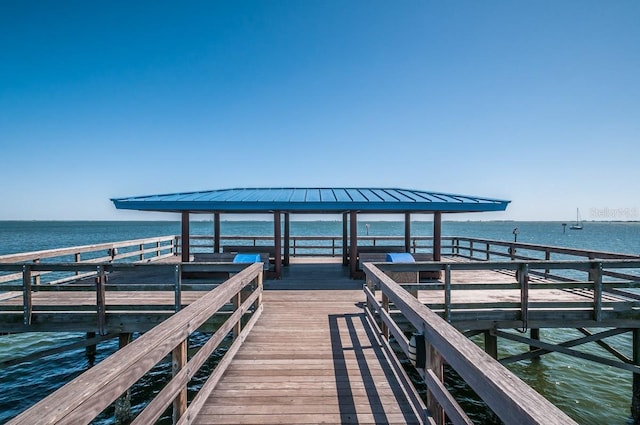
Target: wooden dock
{"type": "Point", "coordinates": [313, 346]}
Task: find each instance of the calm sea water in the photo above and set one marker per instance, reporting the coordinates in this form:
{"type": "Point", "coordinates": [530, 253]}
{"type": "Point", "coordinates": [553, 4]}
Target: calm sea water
{"type": "Point", "coordinates": [590, 393]}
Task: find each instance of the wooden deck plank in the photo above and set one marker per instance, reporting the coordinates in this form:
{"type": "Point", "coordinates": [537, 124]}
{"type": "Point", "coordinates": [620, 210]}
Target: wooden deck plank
{"type": "Point", "coordinates": [312, 358]}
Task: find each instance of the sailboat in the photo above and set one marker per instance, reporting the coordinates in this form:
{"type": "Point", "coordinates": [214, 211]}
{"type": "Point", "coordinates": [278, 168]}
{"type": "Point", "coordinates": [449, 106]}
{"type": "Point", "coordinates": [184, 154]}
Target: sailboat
{"type": "Point", "coordinates": [578, 225]}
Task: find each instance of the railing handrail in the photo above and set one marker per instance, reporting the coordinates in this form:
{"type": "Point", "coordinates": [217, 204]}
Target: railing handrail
{"type": "Point", "coordinates": [59, 252]}
{"type": "Point", "coordinates": [455, 245]}
{"type": "Point", "coordinates": [82, 399]}
{"type": "Point", "coordinates": [506, 394]}
{"type": "Point", "coordinates": [509, 265]}
{"type": "Point", "coordinates": [544, 248]}
{"type": "Point", "coordinates": [414, 239]}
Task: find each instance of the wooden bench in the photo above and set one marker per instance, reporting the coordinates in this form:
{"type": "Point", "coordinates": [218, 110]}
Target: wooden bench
{"type": "Point", "coordinates": [378, 254]}
{"type": "Point", "coordinates": [247, 249]}
{"type": "Point", "coordinates": [227, 257]}
{"type": "Point", "coordinates": [267, 252]}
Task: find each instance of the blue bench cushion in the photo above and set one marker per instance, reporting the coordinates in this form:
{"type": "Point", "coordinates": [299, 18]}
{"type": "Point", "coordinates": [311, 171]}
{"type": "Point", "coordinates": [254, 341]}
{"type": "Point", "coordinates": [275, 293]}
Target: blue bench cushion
{"type": "Point", "coordinates": [247, 258]}
{"type": "Point", "coordinates": [400, 257]}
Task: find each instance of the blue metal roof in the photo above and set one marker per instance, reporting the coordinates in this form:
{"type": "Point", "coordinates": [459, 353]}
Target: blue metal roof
{"type": "Point", "coordinates": [311, 200]}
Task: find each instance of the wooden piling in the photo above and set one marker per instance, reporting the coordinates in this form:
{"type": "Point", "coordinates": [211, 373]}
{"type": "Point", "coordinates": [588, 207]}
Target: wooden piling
{"type": "Point", "coordinates": [635, 396]}
{"type": "Point", "coordinates": [123, 413]}
{"type": "Point", "coordinates": [90, 350]}
{"type": "Point", "coordinates": [491, 344]}
{"type": "Point", "coordinates": [534, 334]}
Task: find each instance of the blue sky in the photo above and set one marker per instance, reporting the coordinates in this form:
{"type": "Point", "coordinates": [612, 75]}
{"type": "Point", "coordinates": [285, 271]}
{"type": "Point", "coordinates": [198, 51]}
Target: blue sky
{"type": "Point", "coordinates": [533, 101]}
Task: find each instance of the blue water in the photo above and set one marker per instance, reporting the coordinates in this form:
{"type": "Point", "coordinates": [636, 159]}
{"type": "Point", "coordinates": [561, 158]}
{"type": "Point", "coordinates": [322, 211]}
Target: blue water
{"type": "Point", "coordinates": [590, 393]}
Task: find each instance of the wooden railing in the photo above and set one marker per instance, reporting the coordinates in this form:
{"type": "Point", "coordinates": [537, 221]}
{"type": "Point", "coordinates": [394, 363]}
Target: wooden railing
{"type": "Point", "coordinates": [167, 278]}
{"type": "Point", "coordinates": [138, 250]}
{"type": "Point", "coordinates": [472, 248]}
{"type": "Point", "coordinates": [81, 400]}
{"type": "Point", "coordinates": [301, 246]}
{"type": "Point", "coordinates": [494, 250]}
{"type": "Point", "coordinates": [592, 307]}
{"type": "Point", "coordinates": [510, 398]}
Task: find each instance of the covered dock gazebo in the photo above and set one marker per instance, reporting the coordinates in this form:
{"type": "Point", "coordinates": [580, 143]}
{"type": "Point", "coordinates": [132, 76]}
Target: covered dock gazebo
{"type": "Point", "coordinates": [282, 202]}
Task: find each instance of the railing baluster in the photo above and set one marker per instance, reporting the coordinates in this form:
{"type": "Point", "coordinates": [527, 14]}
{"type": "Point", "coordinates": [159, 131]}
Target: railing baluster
{"type": "Point", "coordinates": [447, 293]}
{"type": "Point", "coordinates": [100, 300]}
{"type": "Point", "coordinates": [596, 272]}
{"type": "Point", "coordinates": [26, 294]}
{"type": "Point", "coordinates": [435, 365]}
{"type": "Point", "coordinates": [385, 307]}
{"type": "Point", "coordinates": [177, 273]}
{"type": "Point", "coordinates": [178, 362]}
{"type": "Point", "coordinates": [36, 275]}
{"type": "Point", "coordinates": [237, 302]}
{"type": "Point", "coordinates": [547, 257]}
{"type": "Point", "coordinates": [523, 280]}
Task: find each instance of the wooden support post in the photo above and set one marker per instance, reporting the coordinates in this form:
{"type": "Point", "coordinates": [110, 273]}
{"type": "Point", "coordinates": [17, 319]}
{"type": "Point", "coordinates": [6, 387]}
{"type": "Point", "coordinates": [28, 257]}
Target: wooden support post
{"type": "Point", "coordinates": [287, 238]}
{"type": "Point", "coordinates": [185, 237]}
{"type": "Point", "coordinates": [345, 240]}
{"type": "Point", "coordinates": [491, 344]}
{"type": "Point", "coordinates": [596, 276]}
{"type": "Point", "coordinates": [123, 413]}
{"type": "Point", "coordinates": [216, 233]}
{"type": "Point", "coordinates": [179, 361]}
{"type": "Point", "coordinates": [177, 288]}
{"type": "Point", "coordinates": [27, 306]}
{"type": "Point", "coordinates": [407, 232]}
{"type": "Point", "coordinates": [385, 307]}
{"type": "Point", "coordinates": [76, 258]}
{"type": "Point", "coordinates": [91, 349]}
{"type": "Point", "coordinates": [259, 287]}
{"type": "Point", "coordinates": [437, 236]}
{"type": "Point", "coordinates": [523, 279]}
{"type": "Point", "coordinates": [547, 257]}
{"type": "Point", "coordinates": [447, 293]}
{"type": "Point", "coordinates": [277, 238]}
{"type": "Point", "coordinates": [635, 396]}
{"type": "Point", "coordinates": [434, 363]}
{"type": "Point", "coordinates": [534, 334]}
{"type": "Point", "coordinates": [101, 307]}
{"type": "Point", "coordinates": [36, 275]}
{"type": "Point", "coordinates": [353, 244]}
{"type": "Point", "coordinates": [237, 302]}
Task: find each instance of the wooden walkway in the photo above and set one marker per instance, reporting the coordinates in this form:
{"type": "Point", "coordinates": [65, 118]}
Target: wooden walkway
{"type": "Point", "coordinates": [311, 358]}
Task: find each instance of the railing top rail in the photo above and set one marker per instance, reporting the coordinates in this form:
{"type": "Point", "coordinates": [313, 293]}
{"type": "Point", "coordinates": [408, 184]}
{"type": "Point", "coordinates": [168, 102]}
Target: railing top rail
{"type": "Point", "coordinates": [58, 252]}
{"type": "Point", "coordinates": [94, 390]}
{"type": "Point", "coordinates": [509, 265]}
{"type": "Point", "coordinates": [506, 394]}
{"type": "Point", "coordinates": [551, 248]}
